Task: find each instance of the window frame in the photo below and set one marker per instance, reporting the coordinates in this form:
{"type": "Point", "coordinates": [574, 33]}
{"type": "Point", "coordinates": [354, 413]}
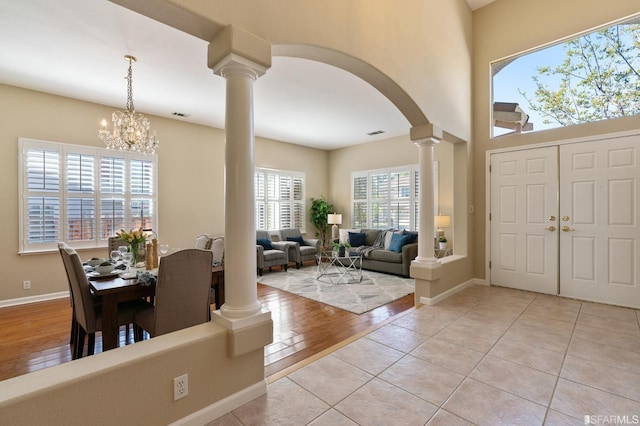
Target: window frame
{"type": "Point", "coordinates": [413, 200]}
{"type": "Point", "coordinates": [64, 195]}
{"type": "Point", "coordinates": [266, 201]}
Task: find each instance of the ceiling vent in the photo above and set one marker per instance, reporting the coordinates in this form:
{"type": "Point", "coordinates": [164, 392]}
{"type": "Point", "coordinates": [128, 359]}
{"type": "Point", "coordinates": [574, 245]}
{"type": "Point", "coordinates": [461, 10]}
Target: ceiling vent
{"type": "Point", "coordinates": [377, 132]}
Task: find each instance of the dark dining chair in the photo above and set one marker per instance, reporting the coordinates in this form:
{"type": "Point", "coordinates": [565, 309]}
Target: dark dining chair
{"type": "Point", "coordinates": [87, 311]}
{"type": "Point", "coordinates": [74, 323]}
{"type": "Point", "coordinates": [182, 293]}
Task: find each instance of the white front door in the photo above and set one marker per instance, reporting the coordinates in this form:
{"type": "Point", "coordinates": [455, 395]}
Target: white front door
{"type": "Point", "coordinates": [600, 193]}
{"type": "Point", "coordinates": [524, 223]}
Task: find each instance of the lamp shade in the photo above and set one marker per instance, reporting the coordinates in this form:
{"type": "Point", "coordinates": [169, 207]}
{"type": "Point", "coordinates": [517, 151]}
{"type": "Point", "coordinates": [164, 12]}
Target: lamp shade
{"type": "Point", "coordinates": [442, 221]}
{"type": "Point", "coordinates": [334, 219]}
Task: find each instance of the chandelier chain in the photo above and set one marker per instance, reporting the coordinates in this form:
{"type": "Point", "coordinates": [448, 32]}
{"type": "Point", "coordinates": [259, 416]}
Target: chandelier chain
{"type": "Point", "coordinates": [130, 88]}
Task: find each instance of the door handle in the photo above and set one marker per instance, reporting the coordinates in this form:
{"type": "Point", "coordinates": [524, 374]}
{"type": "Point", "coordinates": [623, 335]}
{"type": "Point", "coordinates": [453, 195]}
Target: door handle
{"type": "Point", "coordinates": [567, 229]}
{"type": "Point", "coordinates": [551, 228]}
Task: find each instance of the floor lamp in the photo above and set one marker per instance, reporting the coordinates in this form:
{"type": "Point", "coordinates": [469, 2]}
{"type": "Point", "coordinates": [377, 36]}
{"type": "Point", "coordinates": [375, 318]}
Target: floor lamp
{"type": "Point", "coordinates": [335, 220]}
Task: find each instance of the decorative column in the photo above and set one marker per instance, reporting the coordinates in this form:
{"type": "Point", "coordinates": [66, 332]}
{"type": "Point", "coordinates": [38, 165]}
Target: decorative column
{"type": "Point", "coordinates": [227, 58]}
{"type": "Point", "coordinates": [425, 269]}
{"type": "Point", "coordinates": [426, 220]}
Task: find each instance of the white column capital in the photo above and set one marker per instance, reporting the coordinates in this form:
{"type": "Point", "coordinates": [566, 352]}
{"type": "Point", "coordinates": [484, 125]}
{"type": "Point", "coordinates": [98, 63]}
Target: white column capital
{"type": "Point", "coordinates": [426, 142]}
{"type": "Point", "coordinates": [234, 64]}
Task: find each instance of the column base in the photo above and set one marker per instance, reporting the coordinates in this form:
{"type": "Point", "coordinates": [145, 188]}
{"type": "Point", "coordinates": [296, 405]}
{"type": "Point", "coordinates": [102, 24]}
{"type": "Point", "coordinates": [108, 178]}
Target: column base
{"type": "Point", "coordinates": [238, 313]}
{"type": "Point", "coordinates": [233, 322]}
{"type": "Point", "coordinates": [426, 260]}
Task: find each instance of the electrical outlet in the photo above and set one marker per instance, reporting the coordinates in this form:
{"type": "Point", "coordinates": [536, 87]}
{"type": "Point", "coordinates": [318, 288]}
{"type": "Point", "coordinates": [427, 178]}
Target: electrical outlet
{"type": "Point", "coordinates": [180, 387]}
{"type": "Point", "coordinates": [26, 285]}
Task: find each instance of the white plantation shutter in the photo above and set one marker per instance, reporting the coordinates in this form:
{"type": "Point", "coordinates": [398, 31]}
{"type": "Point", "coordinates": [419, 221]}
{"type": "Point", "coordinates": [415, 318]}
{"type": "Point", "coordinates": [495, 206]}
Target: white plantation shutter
{"type": "Point", "coordinates": [260, 203]}
{"type": "Point", "coordinates": [400, 199]}
{"type": "Point", "coordinates": [279, 200]}
{"type": "Point", "coordinates": [142, 178]}
{"type": "Point", "coordinates": [360, 202]}
{"type": "Point", "coordinates": [379, 200]}
{"type": "Point", "coordinates": [82, 195]}
{"type": "Point", "coordinates": [298, 218]}
{"type": "Point", "coordinates": [112, 200]}
{"type": "Point", "coordinates": [416, 202]}
{"type": "Point", "coordinates": [80, 202]}
{"type": "Point", "coordinates": [41, 195]}
{"type": "Point", "coordinates": [286, 207]}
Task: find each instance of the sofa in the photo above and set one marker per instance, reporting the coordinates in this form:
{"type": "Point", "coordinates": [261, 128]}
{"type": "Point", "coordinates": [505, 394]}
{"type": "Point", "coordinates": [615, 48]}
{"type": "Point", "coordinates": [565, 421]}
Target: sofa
{"type": "Point", "coordinates": [378, 253]}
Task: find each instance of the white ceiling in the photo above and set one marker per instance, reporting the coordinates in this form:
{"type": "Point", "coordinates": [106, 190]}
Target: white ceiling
{"type": "Point", "coordinates": [76, 48]}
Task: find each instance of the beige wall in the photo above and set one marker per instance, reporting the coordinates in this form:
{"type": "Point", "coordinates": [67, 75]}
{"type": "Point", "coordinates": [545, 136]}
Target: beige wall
{"type": "Point", "coordinates": [134, 384]}
{"type": "Point", "coordinates": [190, 178]}
{"type": "Point", "coordinates": [506, 28]}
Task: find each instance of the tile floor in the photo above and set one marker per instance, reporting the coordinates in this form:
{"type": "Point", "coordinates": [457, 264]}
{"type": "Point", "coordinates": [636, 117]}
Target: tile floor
{"type": "Point", "coordinates": [486, 356]}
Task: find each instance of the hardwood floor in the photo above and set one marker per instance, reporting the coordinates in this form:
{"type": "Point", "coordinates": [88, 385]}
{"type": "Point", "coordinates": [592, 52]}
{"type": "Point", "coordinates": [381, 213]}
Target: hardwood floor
{"type": "Point", "coordinates": [36, 336]}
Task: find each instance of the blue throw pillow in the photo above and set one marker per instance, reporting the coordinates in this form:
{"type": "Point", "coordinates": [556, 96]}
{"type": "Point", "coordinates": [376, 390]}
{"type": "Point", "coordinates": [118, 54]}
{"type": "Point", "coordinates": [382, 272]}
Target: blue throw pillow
{"type": "Point", "coordinates": [357, 239]}
{"type": "Point", "coordinates": [397, 241]}
{"type": "Point", "coordinates": [412, 237]}
{"type": "Point", "coordinates": [298, 240]}
{"type": "Point", "coordinates": [265, 242]}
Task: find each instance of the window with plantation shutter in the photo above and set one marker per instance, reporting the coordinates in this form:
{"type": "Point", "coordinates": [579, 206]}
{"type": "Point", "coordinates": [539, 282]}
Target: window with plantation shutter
{"type": "Point", "coordinates": [386, 198]}
{"type": "Point", "coordinates": [279, 200]}
{"type": "Point", "coordinates": [82, 195]}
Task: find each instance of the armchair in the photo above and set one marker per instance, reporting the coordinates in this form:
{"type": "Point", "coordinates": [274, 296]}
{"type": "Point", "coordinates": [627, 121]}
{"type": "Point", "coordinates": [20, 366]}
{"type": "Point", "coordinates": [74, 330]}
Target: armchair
{"type": "Point", "coordinates": [270, 253]}
{"type": "Point", "coordinates": [301, 249]}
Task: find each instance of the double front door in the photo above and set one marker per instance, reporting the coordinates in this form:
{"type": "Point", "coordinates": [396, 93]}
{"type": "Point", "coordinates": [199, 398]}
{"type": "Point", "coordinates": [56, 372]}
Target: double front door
{"type": "Point", "coordinates": [564, 220]}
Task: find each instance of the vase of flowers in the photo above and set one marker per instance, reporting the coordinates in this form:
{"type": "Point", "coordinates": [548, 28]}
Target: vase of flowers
{"type": "Point", "coordinates": [136, 239]}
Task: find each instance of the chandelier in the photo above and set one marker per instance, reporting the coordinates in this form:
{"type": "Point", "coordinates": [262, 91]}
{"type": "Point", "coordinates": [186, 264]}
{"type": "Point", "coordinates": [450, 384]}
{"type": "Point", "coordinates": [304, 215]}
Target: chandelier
{"type": "Point", "coordinates": [130, 129]}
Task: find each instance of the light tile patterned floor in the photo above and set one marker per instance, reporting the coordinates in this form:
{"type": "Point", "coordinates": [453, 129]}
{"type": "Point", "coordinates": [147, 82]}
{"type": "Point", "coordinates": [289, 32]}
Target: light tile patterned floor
{"type": "Point", "coordinates": [486, 356]}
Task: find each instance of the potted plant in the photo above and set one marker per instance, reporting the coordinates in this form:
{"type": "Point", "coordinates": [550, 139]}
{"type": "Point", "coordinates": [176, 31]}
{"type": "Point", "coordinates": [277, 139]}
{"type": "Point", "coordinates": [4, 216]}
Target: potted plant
{"type": "Point", "coordinates": [340, 249]}
{"type": "Point", "coordinates": [442, 242]}
{"type": "Point", "coordinates": [319, 210]}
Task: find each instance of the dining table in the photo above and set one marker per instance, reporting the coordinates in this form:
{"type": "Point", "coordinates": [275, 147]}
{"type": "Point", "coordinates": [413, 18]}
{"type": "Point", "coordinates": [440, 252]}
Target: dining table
{"type": "Point", "coordinates": [112, 291]}
{"type": "Point", "coordinates": [115, 289]}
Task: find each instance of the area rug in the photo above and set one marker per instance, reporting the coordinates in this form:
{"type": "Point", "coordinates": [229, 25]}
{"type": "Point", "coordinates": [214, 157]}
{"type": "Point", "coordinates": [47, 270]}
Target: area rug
{"type": "Point", "coordinates": [374, 290]}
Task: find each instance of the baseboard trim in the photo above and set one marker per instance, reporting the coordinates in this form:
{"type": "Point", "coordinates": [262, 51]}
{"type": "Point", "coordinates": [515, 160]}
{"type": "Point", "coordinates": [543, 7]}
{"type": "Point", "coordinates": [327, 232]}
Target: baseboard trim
{"type": "Point", "coordinates": [224, 406]}
{"type": "Point", "coordinates": [480, 281]}
{"type": "Point", "coordinates": [442, 296]}
{"type": "Point", "coordinates": [33, 299]}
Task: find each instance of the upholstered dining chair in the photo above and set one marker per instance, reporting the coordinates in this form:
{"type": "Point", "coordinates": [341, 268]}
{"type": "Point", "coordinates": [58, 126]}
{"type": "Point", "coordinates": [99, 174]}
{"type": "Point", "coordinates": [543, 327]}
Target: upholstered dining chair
{"type": "Point", "coordinates": [270, 253]}
{"type": "Point", "coordinates": [74, 323]}
{"type": "Point", "coordinates": [87, 311]}
{"type": "Point", "coordinates": [202, 242]}
{"type": "Point", "coordinates": [302, 249]}
{"type": "Point", "coordinates": [182, 293]}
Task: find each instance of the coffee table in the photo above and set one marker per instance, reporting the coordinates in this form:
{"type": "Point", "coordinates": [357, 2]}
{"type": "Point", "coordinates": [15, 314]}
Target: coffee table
{"type": "Point", "coordinates": [339, 269]}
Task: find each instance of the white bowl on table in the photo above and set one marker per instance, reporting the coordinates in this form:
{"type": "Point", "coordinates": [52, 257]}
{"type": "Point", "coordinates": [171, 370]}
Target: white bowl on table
{"type": "Point", "coordinates": [104, 269]}
{"type": "Point", "coordinates": [94, 262]}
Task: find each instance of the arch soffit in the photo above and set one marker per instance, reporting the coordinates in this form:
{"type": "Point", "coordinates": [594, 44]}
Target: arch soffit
{"type": "Point", "coordinates": [385, 85]}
